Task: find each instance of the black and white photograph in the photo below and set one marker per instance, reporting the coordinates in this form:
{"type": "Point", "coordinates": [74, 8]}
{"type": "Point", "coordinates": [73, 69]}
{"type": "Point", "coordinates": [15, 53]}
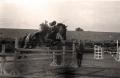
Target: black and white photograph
{"type": "Point", "coordinates": [59, 38]}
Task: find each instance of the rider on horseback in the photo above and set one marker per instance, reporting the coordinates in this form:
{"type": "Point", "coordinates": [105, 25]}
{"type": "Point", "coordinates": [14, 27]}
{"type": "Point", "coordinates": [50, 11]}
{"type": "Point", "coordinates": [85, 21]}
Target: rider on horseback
{"type": "Point", "coordinates": [50, 35]}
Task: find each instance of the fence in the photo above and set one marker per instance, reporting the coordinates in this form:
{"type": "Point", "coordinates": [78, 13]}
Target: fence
{"type": "Point", "coordinates": [48, 51]}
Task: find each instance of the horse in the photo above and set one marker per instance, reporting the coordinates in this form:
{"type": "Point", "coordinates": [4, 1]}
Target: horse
{"type": "Point", "coordinates": [57, 35]}
{"type": "Point", "coordinates": [48, 36]}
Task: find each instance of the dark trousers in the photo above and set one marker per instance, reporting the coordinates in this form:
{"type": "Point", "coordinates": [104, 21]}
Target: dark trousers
{"type": "Point", "coordinates": [79, 59]}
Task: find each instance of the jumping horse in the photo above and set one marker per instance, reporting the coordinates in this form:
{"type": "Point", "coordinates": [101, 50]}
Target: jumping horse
{"type": "Point", "coordinates": [47, 37]}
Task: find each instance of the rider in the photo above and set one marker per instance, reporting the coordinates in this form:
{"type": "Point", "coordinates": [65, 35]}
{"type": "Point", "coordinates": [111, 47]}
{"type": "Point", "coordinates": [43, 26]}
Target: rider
{"type": "Point", "coordinates": [52, 25]}
{"type": "Point", "coordinates": [52, 30]}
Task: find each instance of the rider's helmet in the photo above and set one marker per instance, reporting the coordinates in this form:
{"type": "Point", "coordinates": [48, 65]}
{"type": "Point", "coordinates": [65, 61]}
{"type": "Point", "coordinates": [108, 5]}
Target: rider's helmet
{"type": "Point", "coordinates": [53, 23]}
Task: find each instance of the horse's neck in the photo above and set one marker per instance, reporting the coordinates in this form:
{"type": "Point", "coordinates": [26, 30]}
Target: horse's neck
{"type": "Point", "coordinates": [38, 33]}
{"type": "Point", "coordinates": [44, 33]}
{"type": "Point", "coordinates": [59, 36]}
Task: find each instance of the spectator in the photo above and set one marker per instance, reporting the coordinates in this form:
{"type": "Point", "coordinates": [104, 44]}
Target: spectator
{"type": "Point", "coordinates": [79, 52]}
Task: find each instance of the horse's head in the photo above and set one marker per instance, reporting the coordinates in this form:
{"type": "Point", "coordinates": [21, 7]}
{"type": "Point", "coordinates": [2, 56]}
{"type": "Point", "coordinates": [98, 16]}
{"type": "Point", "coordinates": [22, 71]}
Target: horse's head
{"type": "Point", "coordinates": [61, 30]}
{"type": "Point", "coordinates": [56, 34]}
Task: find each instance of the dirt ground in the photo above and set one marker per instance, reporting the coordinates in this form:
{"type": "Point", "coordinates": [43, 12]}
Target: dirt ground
{"type": "Point", "coordinates": [91, 68]}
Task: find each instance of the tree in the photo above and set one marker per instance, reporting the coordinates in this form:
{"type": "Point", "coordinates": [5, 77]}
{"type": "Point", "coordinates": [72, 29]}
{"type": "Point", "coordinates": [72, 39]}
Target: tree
{"type": "Point", "coordinates": [79, 29]}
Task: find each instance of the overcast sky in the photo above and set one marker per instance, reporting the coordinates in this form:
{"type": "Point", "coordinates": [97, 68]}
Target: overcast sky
{"type": "Point", "coordinates": [90, 15]}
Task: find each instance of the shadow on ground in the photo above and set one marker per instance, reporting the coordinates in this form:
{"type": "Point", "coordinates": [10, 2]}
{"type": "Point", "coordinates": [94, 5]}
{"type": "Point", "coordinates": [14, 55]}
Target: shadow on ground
{"type": "Point", "coordinates": [66, 72]}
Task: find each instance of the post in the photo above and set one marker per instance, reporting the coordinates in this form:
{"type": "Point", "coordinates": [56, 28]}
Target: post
{"type": "Point", "coordinates": [53, 60]}
{"type": "Point", "coordinates": [16, 47]}
{"type": "Point", "coordinates": [117, 49]}
{"type": "Point", "coordinates": [74, 60]}
{"type": "Point", "coordinates": [3, 61]}
{"type": "Point", "coordinates": [16, 43]}
{"type": "Point", "coordinates": [63, 62]}
{"type": "Point", "coordinates": [118, 52]}
{"type": "Point", "coordinates": [117, 45]}
{"type": "Point", "coordinates": [15, 71]}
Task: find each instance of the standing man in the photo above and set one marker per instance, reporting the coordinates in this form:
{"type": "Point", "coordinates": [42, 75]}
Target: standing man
{"type": "Point", "coordinates": [79, 53]}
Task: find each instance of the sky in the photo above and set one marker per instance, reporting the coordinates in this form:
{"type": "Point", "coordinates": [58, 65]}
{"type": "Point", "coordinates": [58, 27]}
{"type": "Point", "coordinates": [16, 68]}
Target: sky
{"type": "Point", "coordinates": [90, 15]}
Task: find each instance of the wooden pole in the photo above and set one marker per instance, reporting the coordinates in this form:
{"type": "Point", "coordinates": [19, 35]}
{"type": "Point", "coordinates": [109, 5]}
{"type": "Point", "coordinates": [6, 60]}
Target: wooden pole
{"type": "Point", "coordinates": [53, 60]}
{"type": "Point", "coordinates": [16, 47]}
{"type": "Point", "coordinates": [118, 52]}
{"type": "Point", "coordinates": [15, 71]}
{"type": "Point", "coordinates": [118, 55]}
{"type": "Point", "coordinates": [63, 62]}
{"type": "Point", "coordinates": [16, 43]}
{"type": "Point", "coordinates": [117, 46]}
{"type": "Point", "coordinates": [3, 61]}
{"type": "Point", "coordinates": [74, 60]}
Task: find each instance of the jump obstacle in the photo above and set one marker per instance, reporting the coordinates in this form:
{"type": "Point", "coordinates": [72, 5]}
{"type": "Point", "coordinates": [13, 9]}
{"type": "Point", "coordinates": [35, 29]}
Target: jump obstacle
{"type": "Point", "coordinates": [99, 52]}
{"type": "Point", "coordinates": [17, 53]}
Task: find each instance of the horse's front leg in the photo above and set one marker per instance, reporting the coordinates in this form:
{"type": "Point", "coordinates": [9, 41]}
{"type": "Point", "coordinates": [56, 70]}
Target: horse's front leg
{"type": "Point", "coordinates": [25, 45]}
